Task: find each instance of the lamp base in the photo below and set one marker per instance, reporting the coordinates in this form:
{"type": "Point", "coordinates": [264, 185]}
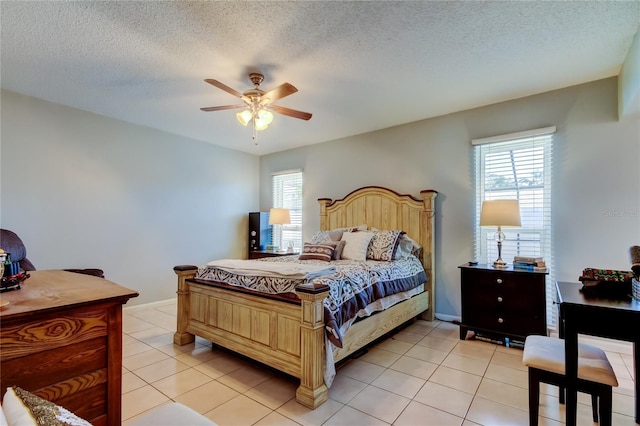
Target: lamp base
{"type": "Point", "coordinates": [499, 263]}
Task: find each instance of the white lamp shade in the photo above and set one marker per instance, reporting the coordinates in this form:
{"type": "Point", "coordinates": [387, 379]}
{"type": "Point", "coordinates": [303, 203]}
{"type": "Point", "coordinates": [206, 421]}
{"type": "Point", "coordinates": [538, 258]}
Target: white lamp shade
{"type": "Point", "coordinates": [244, 117]}
{"type": "Point", "coordinates": [500, 213]}
{"type": "Point", "coordinates": [279, 217]}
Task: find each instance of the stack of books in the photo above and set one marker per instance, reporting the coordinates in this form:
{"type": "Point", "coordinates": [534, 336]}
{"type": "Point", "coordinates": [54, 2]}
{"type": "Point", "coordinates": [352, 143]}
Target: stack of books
{"type": "Point", "coordinates": [526, 263]}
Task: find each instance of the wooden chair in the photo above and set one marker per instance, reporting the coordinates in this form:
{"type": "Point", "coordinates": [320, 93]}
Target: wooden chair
{"type": "Point", "coordinates": [544, 357]}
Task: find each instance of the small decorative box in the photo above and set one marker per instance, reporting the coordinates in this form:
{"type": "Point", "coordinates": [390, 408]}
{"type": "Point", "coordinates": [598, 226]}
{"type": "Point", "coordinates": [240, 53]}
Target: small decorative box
{"type": "Point", "coordinates": [635, 289]}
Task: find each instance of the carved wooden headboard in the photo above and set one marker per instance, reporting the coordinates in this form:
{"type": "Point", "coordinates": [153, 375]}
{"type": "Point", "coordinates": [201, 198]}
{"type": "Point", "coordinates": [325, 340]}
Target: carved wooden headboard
{"type": "Point", "coordinates": [385, 209]}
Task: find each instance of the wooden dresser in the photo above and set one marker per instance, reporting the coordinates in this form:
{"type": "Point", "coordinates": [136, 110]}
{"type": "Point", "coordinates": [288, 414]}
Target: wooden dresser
{"type": "Point", "coordinates": [61, 338]}
{"type": "Point", "coordinates": [503, 303]}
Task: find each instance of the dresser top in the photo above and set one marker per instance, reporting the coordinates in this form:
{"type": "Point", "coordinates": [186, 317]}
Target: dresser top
{"type": "Point", "coordinates": [56, 289]}
{"type": "Point", "coordinates": [508, 268]}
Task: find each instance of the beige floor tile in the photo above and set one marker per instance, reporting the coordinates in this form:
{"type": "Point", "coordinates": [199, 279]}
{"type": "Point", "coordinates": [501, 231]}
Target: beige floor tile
{"type": "Point", "coordinates": [134, 347]}
{"type": "Point", "coordinates": [399, 383]}
{"type": "Point", "coordinates": [305, 416]}
{"type": "Point", "coordinates": [207, 397]}
{"type": "Point", "coordinates": [130, 382]}
{"type": "Point", "coordinates": [408, 337]}
{"type": "Point", "coordinates": [394, 345]}
{"type": "Point", "coordinates": [503, 393]}
{"type": "Point", "coordinates": [275, 419]}
{"type": "Point", "coordinates": [424, 353]}
{"type": "Point", "coordinates": [361, 370]}
{"type": "Point", "coordinates": [160, 370]}
{"type": "Point", "coordinates": [379, 403]}
{"type": "Point", "coordinates": [140, 400]}
{"type": "Point", "coordinates": [424, 415]}
{"type": "Point", "coordinates": [239, 411]}
{"type": "Point", "coordinates": [197, 355]}
{"type": "Point", "coordinates": [414, 367]}
{"type": "Point", "coordinates": [245, 378]}
{"type": "Point", "coordinates": [445, 399]}
{"type": "Point", "coordinates": [491, 413]}
{"type": "Point", "coordinates": [507, 375]}
{"type": "Point", "coordinates": [509, 359]}
{"type": "Point", "coordinates": [221, 365]}
{"type": "Point", "coordinates": [474, 349]}
{"type": "Point", "coordinates": [131, 324]}
{"type": "Point", "coordinates": [421, 327]}
{"type": "Point", "coordinates": [150, 333]}
{"type": "Point", "coordinates": [348, 416]}
{"type": "Point", "coordinates": [344, 388]}
{"type": "Point", "coordinates": [380, 357]}
{"type": "Point", "coordinates": [386, 377]}
{"type": "Point", "coordinates": [274, 392]}
{"type": "Point", "coordinates": [181, 382]}
{"type": "Point", "coordinates": [143, 359]}
{"type": "Point", "coordinates": [456, 379]}
{"type": "Point", "coordinates": [437, 342]}
{"type": "Point", "coordinates": [171, 349]}
{"type": "Point", "coordinates": [466, 364]}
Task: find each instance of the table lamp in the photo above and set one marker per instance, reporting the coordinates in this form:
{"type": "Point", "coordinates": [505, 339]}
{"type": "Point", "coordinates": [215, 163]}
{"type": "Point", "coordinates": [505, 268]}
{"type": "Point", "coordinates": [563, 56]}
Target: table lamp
{"type": "Point", "coordinates": [279, 216]}
{"type": "Point", "coordinates": [500, 213]}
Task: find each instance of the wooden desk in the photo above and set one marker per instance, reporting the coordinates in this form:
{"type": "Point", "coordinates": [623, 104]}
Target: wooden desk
{"type": "Point", "coordinates": [615, 318]}
{"type": "Point", "coordinates": [61, 338]}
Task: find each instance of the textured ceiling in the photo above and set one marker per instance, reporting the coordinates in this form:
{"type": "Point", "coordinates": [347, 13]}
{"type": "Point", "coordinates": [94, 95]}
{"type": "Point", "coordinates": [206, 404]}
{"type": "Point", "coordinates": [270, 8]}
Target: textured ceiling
{"type": "Point", "coordinates": [358, 66]}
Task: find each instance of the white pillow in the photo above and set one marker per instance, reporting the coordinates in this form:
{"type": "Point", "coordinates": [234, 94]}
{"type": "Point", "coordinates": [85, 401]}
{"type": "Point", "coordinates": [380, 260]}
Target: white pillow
{"type": "Point", "coordinates": [356, 244]}
{"type": "Point", "coordinates": [21, 408]}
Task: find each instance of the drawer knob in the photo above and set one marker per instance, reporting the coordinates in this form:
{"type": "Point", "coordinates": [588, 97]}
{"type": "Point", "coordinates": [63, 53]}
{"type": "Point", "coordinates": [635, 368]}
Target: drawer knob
{"type": "Point", "coordinates": [500, 320]}
{"type": "Point", "coordinates": [499, 298]}
{"type": "Point", "coordinates": [499, 280]}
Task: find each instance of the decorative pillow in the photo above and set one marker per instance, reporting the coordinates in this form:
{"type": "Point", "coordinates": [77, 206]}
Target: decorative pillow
{"type": "Point", "coordinates": [24, 408]}
{"type": "Point", "coordinates": [316, 252]}
{"type": "Point", "coordinates": [356, 244]}
{"type": "Point", "coordinates": [322, 237]}
{"type": "Point", "coordinates": [407, 247]}
{"type": "Point", "coordinates": [383, 245]}
{"type": "Point", "coordinates": [338, 246]}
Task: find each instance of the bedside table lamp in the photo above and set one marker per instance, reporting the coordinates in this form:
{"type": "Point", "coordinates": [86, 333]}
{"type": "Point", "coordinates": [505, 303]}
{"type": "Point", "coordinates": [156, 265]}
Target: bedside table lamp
{"type": "Point", "coordinates": [279, 216]}
{"type": "Point", "coordinates": [500, 213]}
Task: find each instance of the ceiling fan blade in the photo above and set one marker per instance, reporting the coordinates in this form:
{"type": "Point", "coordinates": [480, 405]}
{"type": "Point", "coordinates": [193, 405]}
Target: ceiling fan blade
{"type": "Point", "coordinates": [279, 92]}
{"type": "Point", "coordinates": [220, 108]}
{"type": "Point", "coordinates": [224, 87]}
{"type": "Point", "coordinates": [291, 112]}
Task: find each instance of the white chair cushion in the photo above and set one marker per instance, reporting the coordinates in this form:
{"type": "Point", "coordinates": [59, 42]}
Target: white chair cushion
{"type": "Point", "coordinates": [547, 353]}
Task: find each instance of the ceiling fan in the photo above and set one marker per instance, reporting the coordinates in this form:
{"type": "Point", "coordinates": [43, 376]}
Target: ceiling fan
{"type": "Point", "coordinates": [258, 103]}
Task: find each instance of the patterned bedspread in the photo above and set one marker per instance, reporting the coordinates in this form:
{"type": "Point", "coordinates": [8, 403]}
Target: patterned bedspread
{"type": "Point", "coordinates": [353, 287]}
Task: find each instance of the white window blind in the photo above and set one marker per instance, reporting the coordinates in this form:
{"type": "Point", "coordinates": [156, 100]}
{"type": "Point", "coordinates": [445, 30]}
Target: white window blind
{"type": "Point", "coordinates": [517, 166]}
{"type": "Point", "coordinates": [287, 193]}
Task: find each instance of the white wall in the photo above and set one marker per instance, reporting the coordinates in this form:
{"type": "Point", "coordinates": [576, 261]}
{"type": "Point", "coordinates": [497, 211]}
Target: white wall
{"type": "Point", "coordinates": [83, 190]}
{"type": "Point", "coordinates": [597, 176]}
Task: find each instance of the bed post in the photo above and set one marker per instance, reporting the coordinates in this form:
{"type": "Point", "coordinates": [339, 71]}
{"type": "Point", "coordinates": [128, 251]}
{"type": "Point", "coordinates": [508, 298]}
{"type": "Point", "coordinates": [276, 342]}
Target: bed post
{"type": "Point", "coordinates": [312, 390]}
{"type": "Point", "coordinates": [324, 226]}
{"type": "Point", "coordinates": [428, 253]}
{"type": "Point", "coordinates": [184, 272]}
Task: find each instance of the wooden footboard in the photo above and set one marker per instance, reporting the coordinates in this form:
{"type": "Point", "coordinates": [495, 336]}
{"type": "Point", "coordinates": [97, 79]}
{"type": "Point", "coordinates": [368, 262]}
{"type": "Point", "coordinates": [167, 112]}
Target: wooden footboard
{"type": "Point", "coordinates": [285, 336]}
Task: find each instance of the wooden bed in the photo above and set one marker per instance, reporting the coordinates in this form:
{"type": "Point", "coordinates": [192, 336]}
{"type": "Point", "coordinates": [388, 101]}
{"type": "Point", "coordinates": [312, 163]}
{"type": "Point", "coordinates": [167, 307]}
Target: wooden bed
{"type": "Point", "coordinates": [291, 336]}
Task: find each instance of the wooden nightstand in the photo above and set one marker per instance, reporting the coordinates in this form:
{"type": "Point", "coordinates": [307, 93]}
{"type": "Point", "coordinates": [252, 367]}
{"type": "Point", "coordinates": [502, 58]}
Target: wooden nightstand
{"type": "Point", "coordinates": [258, 254]}
{"type": "Point", "coordinates": [502, 303]}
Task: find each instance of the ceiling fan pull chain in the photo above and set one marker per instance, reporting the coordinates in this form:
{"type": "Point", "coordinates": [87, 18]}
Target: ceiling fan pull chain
{"type": "Point", "coordinates": [255, 133]}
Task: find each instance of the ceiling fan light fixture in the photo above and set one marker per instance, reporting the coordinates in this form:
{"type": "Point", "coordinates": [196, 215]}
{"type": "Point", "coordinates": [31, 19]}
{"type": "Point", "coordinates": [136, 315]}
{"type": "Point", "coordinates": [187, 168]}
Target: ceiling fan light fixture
{"type": "Point", "coordinates": [244, 117]}
{"type": "Point", "coordinates": [266, 116]}
{"type": "Point", "coordinates": [261, 124]}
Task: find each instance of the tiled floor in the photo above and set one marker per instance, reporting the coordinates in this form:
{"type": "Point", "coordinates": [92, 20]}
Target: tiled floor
{"type": "Point", "coordinates": [424, 375]}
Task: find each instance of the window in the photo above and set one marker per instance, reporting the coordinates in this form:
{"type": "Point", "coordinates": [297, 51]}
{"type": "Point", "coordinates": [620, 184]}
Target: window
{"type": "Point", "coordinates": [517, 166]}
{"type": "Point", "coordinates": [287, 194]}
